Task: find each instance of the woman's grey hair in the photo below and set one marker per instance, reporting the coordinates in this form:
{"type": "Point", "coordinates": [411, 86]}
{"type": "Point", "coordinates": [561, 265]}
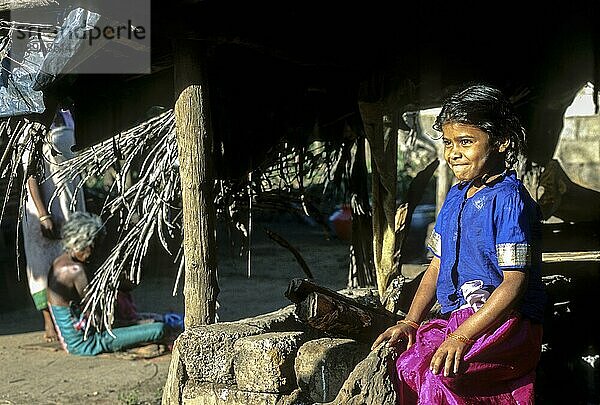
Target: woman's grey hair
{"type": "Point", "coordinates": [81, 230]}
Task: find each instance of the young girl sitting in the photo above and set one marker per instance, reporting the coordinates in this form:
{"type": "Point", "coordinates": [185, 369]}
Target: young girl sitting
{"type": "Point", "coordinates": [485, 271]}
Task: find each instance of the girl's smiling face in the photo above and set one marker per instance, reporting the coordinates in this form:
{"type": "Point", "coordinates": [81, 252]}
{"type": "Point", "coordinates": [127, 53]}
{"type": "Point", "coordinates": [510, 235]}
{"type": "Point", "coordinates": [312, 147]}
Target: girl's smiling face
{"type": "Point", "coordinates": [469, 152]}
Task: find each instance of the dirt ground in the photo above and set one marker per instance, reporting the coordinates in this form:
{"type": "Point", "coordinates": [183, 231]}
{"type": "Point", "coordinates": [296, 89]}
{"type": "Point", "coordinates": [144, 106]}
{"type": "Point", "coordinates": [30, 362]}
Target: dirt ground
{"type": "Point", "coordinates": [33, 373]}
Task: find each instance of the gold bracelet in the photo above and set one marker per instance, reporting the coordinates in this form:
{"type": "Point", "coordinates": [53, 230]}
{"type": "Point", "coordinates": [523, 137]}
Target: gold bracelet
{"type": "Point", "coordinates": [461, 338]}
{"type": "Point", "coordinates": [45, 217]}
{"type": "Point", "coordinates": [408, 322]}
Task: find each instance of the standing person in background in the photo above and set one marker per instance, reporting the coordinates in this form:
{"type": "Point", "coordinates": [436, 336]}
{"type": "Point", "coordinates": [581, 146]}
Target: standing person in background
{"type": "Point", "coordinates": [485, 273]}
{"type": "Point", "coordinates": [42, 221]}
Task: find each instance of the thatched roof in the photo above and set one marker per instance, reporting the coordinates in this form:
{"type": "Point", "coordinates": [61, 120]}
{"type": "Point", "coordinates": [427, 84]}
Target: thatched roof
{"type": "Point", "coordinates": [299, 68]}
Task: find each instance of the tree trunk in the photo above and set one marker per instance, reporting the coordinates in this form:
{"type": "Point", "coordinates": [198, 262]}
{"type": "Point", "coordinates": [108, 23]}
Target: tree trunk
{"type": "Point", "coordinates": [395, 297]}
{"type": "Point", "coordinates": [194, 141]}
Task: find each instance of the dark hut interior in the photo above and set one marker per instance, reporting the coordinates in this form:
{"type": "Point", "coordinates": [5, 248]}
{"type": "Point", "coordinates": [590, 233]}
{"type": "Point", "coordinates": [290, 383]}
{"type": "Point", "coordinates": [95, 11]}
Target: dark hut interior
{"type": "Point", "coordinates": [297, 71]}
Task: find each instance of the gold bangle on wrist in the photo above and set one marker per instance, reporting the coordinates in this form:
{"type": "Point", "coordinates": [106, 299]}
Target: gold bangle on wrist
{"type": "Point", "coordinates": [45, 217]}
{"type": "Point", "coordinates": [408, 322]}
{"type": "Point", "coordinates": [461, 338]}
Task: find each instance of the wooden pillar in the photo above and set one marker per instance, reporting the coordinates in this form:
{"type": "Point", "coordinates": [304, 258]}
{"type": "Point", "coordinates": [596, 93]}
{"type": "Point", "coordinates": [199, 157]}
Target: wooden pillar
{"type": "Point", "coordinates": [361, 272]}
{"type": "Point", "coordinates": [194, 142]}
{"type": "Point", "coordinates": [383, 141]}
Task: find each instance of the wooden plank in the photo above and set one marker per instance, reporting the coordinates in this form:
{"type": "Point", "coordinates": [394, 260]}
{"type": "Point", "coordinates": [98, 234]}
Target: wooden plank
{"type": "Point", "coordinates": [556, 257]}
{"type": "Point", "coordinates": [336, 314]}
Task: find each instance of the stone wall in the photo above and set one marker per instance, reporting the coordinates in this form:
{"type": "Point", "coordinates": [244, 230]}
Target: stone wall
{"type": "Point", "coordinates": [578, 150]}
{"type": "Point", "coordinates": [269, 359]}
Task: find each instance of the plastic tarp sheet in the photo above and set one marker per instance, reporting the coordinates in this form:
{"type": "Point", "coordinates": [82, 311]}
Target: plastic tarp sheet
{"type": "Point", "coordinates": [66, 44]}
{"type": "Point", "coordinates": [17, 96]}
{"type": "Point", "coordinates": [44, 58]}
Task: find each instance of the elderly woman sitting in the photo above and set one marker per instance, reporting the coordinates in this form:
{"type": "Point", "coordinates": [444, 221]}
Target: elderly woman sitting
{"type": "Point", "coordinates": [67, 281]}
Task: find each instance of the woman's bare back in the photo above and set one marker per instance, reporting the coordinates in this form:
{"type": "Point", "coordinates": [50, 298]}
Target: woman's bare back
{"type": "Point", "coordinates": [66, 280]}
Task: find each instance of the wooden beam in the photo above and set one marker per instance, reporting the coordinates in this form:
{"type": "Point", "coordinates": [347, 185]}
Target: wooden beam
{"type": "Point", "coordinates": [557, 257]}
{"type": "Point", "coordinates": [383, 143]}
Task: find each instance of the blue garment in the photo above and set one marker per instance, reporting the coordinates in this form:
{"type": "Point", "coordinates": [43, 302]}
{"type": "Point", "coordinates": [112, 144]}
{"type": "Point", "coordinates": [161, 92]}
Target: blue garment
{"type": "Point", "coordinates": [477, 238]}
{"type": "Point", "coordinates": [174, 320]}
{"type": "Point", "coordinates": [72, 336]}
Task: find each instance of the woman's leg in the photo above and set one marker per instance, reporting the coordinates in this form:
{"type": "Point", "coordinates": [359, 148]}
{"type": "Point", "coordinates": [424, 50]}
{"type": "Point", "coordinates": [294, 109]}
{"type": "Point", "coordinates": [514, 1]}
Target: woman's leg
{"type": "Point", "coordinates": [135, 335]}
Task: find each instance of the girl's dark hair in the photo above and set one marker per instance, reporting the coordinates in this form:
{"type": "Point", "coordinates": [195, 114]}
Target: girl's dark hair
{"type": "Point", "coordinates": [486, 108]}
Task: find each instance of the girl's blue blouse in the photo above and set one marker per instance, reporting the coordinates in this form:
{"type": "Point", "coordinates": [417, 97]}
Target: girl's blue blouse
{"type": "Point", "coordinates": [479, 237]}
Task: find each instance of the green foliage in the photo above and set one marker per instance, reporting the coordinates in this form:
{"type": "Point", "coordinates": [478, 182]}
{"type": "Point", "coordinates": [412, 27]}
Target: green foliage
{"type": "Point", "coordinates": [129, 397]}
{"type": "Point", "coordinates": [140, 396]}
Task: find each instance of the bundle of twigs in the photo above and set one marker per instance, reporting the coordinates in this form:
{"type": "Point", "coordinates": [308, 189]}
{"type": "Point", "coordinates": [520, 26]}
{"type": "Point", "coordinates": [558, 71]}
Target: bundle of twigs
{"type": "Point", "coordinates": [287, 180]}
{"type": "Point", "coordinates": [150, 206]}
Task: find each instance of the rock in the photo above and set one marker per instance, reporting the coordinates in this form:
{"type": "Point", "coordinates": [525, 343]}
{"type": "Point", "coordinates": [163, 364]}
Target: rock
{"type": "Point", "coordinates": [207, 350]}
{"type": "Point", "coordinates": [265, 363]}
{"type": "Point", "coordinates": [282, 320]}
{"type": "Point", "coordinates": [216, 394]}
{"type": "Point", "coordinates": [370, 382]}
{"type": "Point", "coordinates": [323, 365]}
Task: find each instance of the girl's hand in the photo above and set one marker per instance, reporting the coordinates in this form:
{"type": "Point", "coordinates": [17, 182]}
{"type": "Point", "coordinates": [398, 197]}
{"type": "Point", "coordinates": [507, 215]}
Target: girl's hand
{"type": "Point", "coordinates": [396, 334]}
{"type": "Point", "coordinates": [448, 357]}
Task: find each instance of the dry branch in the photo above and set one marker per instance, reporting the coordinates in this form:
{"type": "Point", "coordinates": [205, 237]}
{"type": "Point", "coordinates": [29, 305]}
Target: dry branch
{"type": "Point", "coordinates": [150, 206]}
{"type": "Point", "coordinates": [284, 243]}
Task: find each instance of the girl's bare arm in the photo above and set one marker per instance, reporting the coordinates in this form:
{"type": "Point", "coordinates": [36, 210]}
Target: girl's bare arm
{"type": "Point", "coordinates": [420, 306]}
{"type": "Point", "coordinates": [425, 296]}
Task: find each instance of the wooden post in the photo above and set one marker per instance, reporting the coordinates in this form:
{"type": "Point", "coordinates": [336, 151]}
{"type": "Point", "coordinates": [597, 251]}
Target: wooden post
{"type": "Point", "coordinates": [194, 142]}
{"type": "Point", "coordinates": [361, 272]}
{"type": "Point", "coordinates": [383, 141]}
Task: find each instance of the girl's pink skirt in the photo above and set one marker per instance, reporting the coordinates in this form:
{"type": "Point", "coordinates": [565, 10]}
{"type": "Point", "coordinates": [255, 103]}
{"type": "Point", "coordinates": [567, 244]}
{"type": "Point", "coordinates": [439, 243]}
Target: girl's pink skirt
{"type": "Point", "coordinates": [499, 368]}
